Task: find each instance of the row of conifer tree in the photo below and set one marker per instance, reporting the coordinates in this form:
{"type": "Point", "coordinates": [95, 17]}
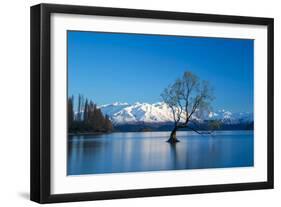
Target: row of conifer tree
{"type": "Point", "coordinates": [87, 117]}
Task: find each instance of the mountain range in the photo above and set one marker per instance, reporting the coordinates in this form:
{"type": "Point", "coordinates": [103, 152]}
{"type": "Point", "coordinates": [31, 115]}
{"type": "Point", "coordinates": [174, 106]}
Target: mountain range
{"type": "Point", "coordinates": [160, 113]}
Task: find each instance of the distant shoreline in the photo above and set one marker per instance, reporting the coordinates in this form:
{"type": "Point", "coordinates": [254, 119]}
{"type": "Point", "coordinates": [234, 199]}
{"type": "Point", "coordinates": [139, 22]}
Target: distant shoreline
{"type": "Point", "coordinates": [101, 133]}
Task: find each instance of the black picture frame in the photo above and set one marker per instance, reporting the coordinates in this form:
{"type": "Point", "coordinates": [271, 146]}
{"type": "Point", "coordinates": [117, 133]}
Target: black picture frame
{"type": "Point", "coordinates": [41, 96]}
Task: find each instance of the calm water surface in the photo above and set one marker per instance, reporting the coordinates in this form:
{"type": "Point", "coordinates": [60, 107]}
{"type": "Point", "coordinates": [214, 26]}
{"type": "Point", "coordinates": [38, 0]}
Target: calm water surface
{"type": "Point", "coordinates": [149, 151]}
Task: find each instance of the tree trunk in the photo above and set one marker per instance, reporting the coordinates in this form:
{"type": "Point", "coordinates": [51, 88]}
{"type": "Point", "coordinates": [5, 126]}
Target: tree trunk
{"type": "Point", "coordinates": [173, 136]}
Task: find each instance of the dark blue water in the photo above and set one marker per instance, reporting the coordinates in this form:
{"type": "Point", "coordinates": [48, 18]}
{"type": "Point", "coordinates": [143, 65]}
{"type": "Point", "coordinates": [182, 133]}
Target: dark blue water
{"type": "Point", "coordinates": [149, 151]}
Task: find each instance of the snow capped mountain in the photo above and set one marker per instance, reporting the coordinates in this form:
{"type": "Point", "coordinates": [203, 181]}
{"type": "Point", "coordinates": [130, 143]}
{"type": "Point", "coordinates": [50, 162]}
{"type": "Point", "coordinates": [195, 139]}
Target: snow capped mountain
{"type": "Point", "coordinates": [122, 113]}
{"type": "Point", "coordinates": [138, 112]}
{"type": "Point", "coordinates": [111, 109]}
{"type": "Point", "coordinates": [231, 118]}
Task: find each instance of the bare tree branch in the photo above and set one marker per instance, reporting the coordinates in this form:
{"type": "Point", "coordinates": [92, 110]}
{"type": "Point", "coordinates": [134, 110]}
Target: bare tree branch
{"type": "Point", "coordinates": [186, 96]}
{"type": "Point", "coordinates": [201, 133]}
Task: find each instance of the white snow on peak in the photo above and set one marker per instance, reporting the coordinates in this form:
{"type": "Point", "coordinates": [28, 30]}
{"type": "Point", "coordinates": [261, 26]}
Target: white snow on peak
{"type": "Point", "coordinates": [160, 112]}
{"type": "Point", "coordinates": [138, 112]}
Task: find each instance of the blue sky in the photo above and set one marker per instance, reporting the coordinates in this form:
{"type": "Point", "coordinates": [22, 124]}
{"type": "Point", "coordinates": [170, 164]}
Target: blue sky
{"type": "Point", "coordinates": [108, 67]}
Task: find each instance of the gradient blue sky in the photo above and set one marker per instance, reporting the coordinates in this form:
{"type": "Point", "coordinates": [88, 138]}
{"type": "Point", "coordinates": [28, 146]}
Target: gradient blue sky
{"type": "Point", "coordinates": [107, 67]}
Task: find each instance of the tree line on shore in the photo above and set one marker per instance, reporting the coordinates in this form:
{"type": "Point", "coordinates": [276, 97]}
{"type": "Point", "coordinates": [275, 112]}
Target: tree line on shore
{"type": "Point", "coordinates": [87, 118]}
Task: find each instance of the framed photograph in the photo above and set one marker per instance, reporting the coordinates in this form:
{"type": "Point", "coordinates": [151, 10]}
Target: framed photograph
{"type": "Point", "coordinates": [133, 103]}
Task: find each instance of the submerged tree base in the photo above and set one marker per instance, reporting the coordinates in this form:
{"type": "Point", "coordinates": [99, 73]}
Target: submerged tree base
{"type": "Point", "coordinates": [173, 140]}
{"type": "Point", "coordinates": [173, 137]}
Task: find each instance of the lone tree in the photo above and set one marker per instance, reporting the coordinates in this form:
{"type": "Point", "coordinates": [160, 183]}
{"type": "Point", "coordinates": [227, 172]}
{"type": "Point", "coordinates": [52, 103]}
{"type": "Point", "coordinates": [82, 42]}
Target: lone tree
{"type": "Point", "coordinates": [186, 97]}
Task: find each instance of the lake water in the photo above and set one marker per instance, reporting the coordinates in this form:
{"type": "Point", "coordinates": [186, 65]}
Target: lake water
{"type": "Point", "coordinates": [149, 151]}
